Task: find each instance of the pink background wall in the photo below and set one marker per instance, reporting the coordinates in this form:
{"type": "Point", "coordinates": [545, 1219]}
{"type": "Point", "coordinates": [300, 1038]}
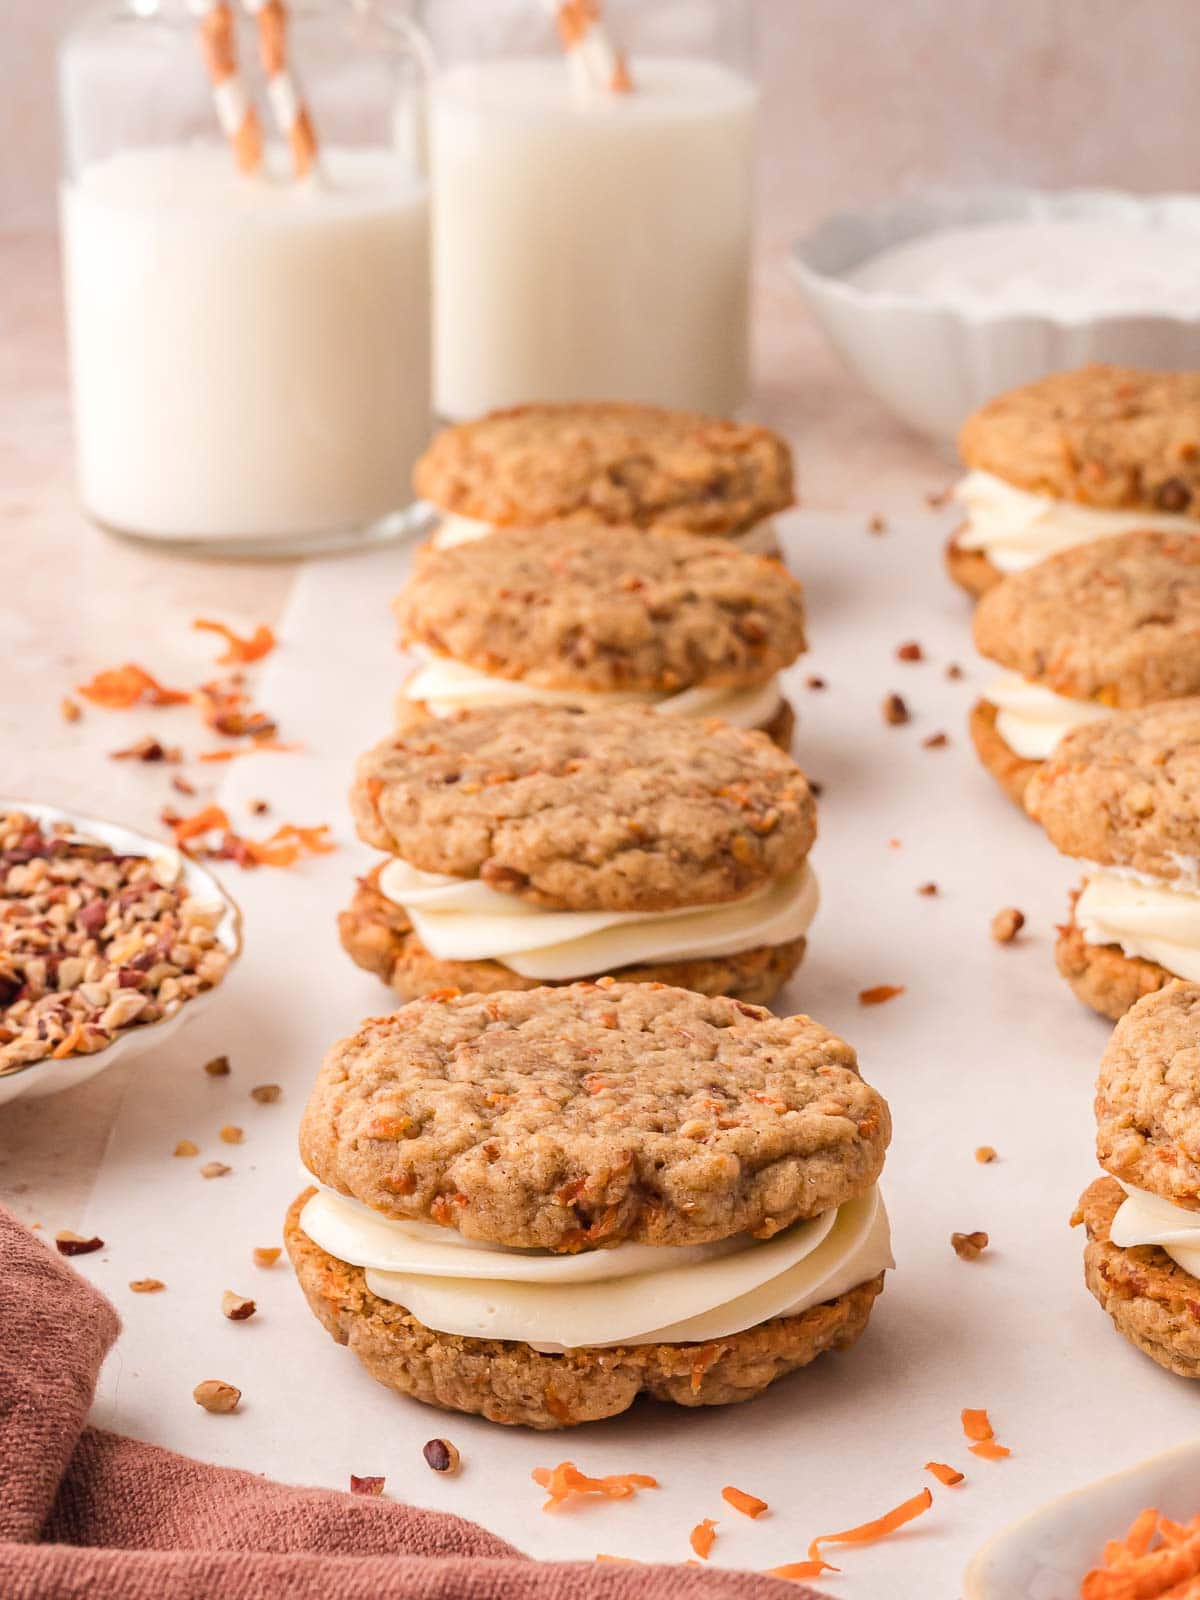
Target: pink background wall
{"type": "Point", "coordinates": [863, 97]}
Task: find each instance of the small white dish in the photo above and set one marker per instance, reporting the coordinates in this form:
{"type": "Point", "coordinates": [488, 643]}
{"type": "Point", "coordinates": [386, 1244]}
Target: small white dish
{"type": "Point", "coordinates": [932, 364]}
{"type": "Point", "coordinates": [1045, 1556]}
{"type": "Point", "coordinates": [48, 1076]}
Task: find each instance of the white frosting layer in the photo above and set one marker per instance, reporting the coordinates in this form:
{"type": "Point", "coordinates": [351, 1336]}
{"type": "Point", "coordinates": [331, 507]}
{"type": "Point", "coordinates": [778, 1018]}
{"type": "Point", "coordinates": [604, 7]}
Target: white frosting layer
{"type": "Point", "coordinates": [462, 919]}
{"type": "Point", "coordinates": [1016, 529]}
{"type": "Point", "coordinates": [1031, 720]}
{"type": "Point", "coordinates": [446, 686]}
{"type": "Point", "coordinates": [1149, 1219]}
{"type": "Point", "coordinates": [761, 539]}
{"type": "Point", "coordinates": [633, 1294]}
{"type": "Point", "coordinates": [1145, 917]}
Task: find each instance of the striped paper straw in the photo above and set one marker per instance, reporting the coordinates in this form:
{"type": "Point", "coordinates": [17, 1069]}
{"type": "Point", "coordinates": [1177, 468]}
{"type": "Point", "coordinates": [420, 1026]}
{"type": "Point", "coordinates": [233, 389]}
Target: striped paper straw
{"type": "Point", "coordinates": [597, 65]}
{"type": "Point", "coordinates": [291, 114]}
{"type": "Point", "coordinates": [235, 112]}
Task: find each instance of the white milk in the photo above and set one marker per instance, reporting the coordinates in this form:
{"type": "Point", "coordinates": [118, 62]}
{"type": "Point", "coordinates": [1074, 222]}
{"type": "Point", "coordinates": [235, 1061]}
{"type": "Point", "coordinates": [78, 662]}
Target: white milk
{"type": "Point", "coordinates": [592, 251]}
{"type": "Point", "coordinates": [251, 359]}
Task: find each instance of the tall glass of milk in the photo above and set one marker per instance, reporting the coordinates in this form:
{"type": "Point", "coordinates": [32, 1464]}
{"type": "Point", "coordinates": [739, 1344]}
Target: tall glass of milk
{"type": "Point", "coordinates": [250, 349]}
{"type": "Point", "coordinates": [592, 247]}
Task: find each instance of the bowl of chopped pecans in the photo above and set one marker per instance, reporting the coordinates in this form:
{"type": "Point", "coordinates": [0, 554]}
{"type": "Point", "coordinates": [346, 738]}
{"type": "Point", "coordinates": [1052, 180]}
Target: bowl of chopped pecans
{"type": "Point", "coordinates": [109, 940]}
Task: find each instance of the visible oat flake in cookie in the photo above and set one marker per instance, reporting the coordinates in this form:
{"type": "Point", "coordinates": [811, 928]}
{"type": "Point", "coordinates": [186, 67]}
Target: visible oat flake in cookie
{"type": "Point", "coordinates": [579, 1117]}
{"type": "Point", "coordinates": [605, 610]}
{"type": "Point", "coordinates": [642, 466]}
{"type": "Point", "coordinates": [616, 810]}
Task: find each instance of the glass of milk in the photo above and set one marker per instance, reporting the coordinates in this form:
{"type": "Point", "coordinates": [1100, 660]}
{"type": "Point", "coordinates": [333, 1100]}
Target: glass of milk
{"type": "Point", "coordinates": [250, 352]}
{"type": "Point", "coordinates": [591, 247]}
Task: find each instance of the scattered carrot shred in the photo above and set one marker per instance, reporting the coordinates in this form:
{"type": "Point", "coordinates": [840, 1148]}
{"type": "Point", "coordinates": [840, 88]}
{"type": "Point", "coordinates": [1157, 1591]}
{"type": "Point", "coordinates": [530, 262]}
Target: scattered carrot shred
{"type": "Point", "coordinates": [975, 1425]}
{"type": "Point", "coordinates": [1134, 1568]}
{"type": "Point", "coordinates": [631, 1561]}
{"type": "Point", "coordinates": [283, 849]}
{"type": "Point", "coordinates": [944, 1473]}
{"type": "Point", "coordinates": [288, 843]}
{"type": "Point", "coordinates": [565, 1480]}
{"type": "Point", "coordinates": [748, 1504]}
{"type": "Point", "coordinates": [978, 1428]}
{"type": "Point", "coordinates": [232, 753]}
{"type": "Point", "coordinates": [241, 651]}
{"type": "Point", "coordinates": [200, 822]}
{"type": "Point", "coordinates": [880, 994]}
{"type": "Point", "coordinates": [868, 1532]}
{"type": "Point", "coordinates": [702, 1538]}
{"type": "Point", "coordinates": [799, 1570]}
{"type": "Point", "coordinates": [989, 1450]}
{"type": "Point", "coordinates": [69, 1044]}
{"type": "Point", "coordinates": [119, 688]}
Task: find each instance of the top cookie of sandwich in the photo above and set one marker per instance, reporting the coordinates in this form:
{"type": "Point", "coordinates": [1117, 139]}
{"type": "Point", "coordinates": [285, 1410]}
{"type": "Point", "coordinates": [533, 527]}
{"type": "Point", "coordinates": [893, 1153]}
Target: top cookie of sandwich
{"type": "Point", "coordinates": [632, 464]}
{"type": "Point", "coordinates": [614, 810]}
{"type": "Point", "coordinates": [605, 609]}
{"type": "Point", "coordinates": [578, 1117]}
{"type": "Point", "coordinates": [1148, 1096]}
{"type": "Point", "coordinates": [1114, 620]}
{"type": "Point", "coordinates": [1112, 437]}
{"type": "Point", "coordinates": [1125, 791]}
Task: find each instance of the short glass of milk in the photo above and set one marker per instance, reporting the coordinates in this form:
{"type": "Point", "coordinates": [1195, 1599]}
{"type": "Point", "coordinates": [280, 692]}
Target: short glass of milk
{"type": "Point", "coordinates": [592, 246]}
{"type": "Point", "coordinates": [250, 349]}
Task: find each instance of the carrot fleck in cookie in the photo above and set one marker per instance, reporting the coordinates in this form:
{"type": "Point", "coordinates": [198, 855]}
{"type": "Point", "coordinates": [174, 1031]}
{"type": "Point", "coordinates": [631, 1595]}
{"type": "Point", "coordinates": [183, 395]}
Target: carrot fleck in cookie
{"type": "Point", "coordinates": [1109, 625]}
{"type": "Point", "coordinates": [634, 465]}
{"type": "Point", "coordinates": [1074, 457]}
{"type": "Point", "coordinates": [542, 845]}
{"type": "Point", "coordinates": [1123, 795]}
{"type": "Point", "coordinates": [601, 617]}
{"type": "Point", "coordinates": [536, 1205]}
{"type": "Point", "coordinates": [1142, 1259]}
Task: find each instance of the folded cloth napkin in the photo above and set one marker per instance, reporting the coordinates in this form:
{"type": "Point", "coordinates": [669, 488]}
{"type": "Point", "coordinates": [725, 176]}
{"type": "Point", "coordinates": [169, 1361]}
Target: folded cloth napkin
{"type": "Point", "coordinates": [85, 1513]}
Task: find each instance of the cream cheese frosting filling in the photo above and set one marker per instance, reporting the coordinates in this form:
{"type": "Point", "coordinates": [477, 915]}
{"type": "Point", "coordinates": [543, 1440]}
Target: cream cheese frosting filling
{"type": "Point", "coordinates": [632, 1294]}
{"type": "Point", "coordinates": [760, 539]}
{"type": "Point", "coordinates": [1145, 1218]}
{"type": "Point", "coordinates": [1031, 719]}
{"type": "Point", "coordinates": [462, 919]}
{"type": "Point", "coordinates": [1147, 918]}
{"type": "Point", "coordinates": [445, 686]}
{"type": "Point", "coordinates": [1016, 529]}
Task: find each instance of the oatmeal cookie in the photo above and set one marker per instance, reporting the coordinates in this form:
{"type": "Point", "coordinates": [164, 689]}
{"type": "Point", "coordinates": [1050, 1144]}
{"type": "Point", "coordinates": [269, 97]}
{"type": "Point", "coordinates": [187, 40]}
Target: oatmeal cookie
{"type": "Point", "coordinates": [601, 610]}
{"type": "Point", "coordinates": [1103, 976]}
{"type": "Point", "coordinates": [1011, 771]}
{"type": "Point", "coordinates": [619, 810]}
{"type": "Point", "coordinates": [1148, 1096]}
{"type": "Point", "coordinates": [1149, 1297]}
{"type": "Point", "coordinates": [582, 1116]}
{"type": "Point", "coordinates": [1111, 437]}
{"type": "Point", "coordinates": [971, 570]}
{"type": "Point", "coordinates": [642, 466]}
{"type": "Point", "coordinates": [377, 935]}
{"type": "Point", "coordinates": [513, 1383]}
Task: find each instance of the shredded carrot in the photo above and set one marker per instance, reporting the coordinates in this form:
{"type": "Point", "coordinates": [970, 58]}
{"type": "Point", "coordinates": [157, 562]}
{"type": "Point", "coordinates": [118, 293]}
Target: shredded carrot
{"type": "Point", "coordinates": [977, 1427]}
{"type": "Point", "coordinates": [868, 1532]}
{"type": "Point", "coordinates": [70, 1044]}
{"type": "Point", "coordinates": [200, 822]}
{"type": "Point", "coordinates": [943, 1473]}
{"type": "Point", "coordinates": [880, 994]}
{"type": "Point", "coordinates": [234, 751]}
{"type": "Point", "coordinates": [1134, 1570]}
{"type": "Point", "coordinates": [748, 1504]}
{"type": "Point", "coordinates": [288, 843]}
{"type": "Point", "coordinates": [118, 688]}
{"type": "Point", "coordinates": [702, 1538]}
{"type": "Point", "coordinates": [799, 1570]}
{"type": "Point", "coordinates": [989, 1450]}
{"type": "Point", "coordinates": [565, 1480]}
{"type": "Point", "coordinates": [241, 651]}
{"type": "Point", "coordinates": [631, 1561]}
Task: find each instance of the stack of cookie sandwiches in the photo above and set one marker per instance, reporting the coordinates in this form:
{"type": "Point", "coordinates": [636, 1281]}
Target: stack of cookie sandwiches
{"type": "Point", "coordinates": [1106, 626]}
{"type": "Point", "coordinates": [1077, 456]}
{"type": "Point", "coordinates": [601, 617]}
{"type": "Point", "coordinates": [537, 1205]}
{"type": "Point", "coordinates": [631, 466]}
{"type": "Point", "coordinates": [544, 844]}
{"type": "Point", "coordinates": [1142, 1259]}
{"type": "Point", "coordinates": [1123, 796]}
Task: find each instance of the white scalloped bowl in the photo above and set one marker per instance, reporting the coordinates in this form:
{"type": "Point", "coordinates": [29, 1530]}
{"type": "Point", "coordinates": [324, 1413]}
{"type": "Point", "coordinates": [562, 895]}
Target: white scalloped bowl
{"type": "Point", "coordinates": [45, 1077]}
{"type": "Point", "coordinates": [932, 364]}
{"type": "Point", "coordinates": [1045, 1556]}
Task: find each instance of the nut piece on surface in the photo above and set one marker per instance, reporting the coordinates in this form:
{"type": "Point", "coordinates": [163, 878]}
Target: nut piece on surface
{"type": "Point", "coordinates": [147, 1285]}
{"type": "Point", "coordinates": [910, 651]}
{"type": "Point", "coordinates": [984, 1154]}
{"type": "Point", "coordinates": [266, 1093]}
{"type": "Point", "coordinates": [880, 994]}
{"type": "Point", "coordinates": [928, 889]}
{"type": "Point", "coordinates": [230, 1134]}
{"type": "Point", "coordinates": [187, 1147]}
{"type": "Point", "coordinates": [1007, 924]}
{"type": "Point", "coordinates": [969, 1246]}
{"type": "Point", "coordinates": [236, 1306]}
{"type": "Point", "coordinates": [218, 1067]}
{"type": "Point", "coordinates": [214, 1169]}
{"type": "Point", "coordinates": [75, 1244]}
{"type": "Point", "coordinates": [895, 711]}
{"type": "Point", "coordinates": [266, 1255]}
{"type": "Point", "coordinates": [366, 1485]}
{"type": "Point", "coordinates": [442, 1456]}
{"type": "Point", "coordinates": [214, 1395]}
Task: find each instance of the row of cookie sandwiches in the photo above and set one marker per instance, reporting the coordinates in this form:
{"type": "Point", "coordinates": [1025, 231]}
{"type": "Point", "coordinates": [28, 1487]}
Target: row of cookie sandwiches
{"type": "Point", "coordinates": [537, 1205]}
